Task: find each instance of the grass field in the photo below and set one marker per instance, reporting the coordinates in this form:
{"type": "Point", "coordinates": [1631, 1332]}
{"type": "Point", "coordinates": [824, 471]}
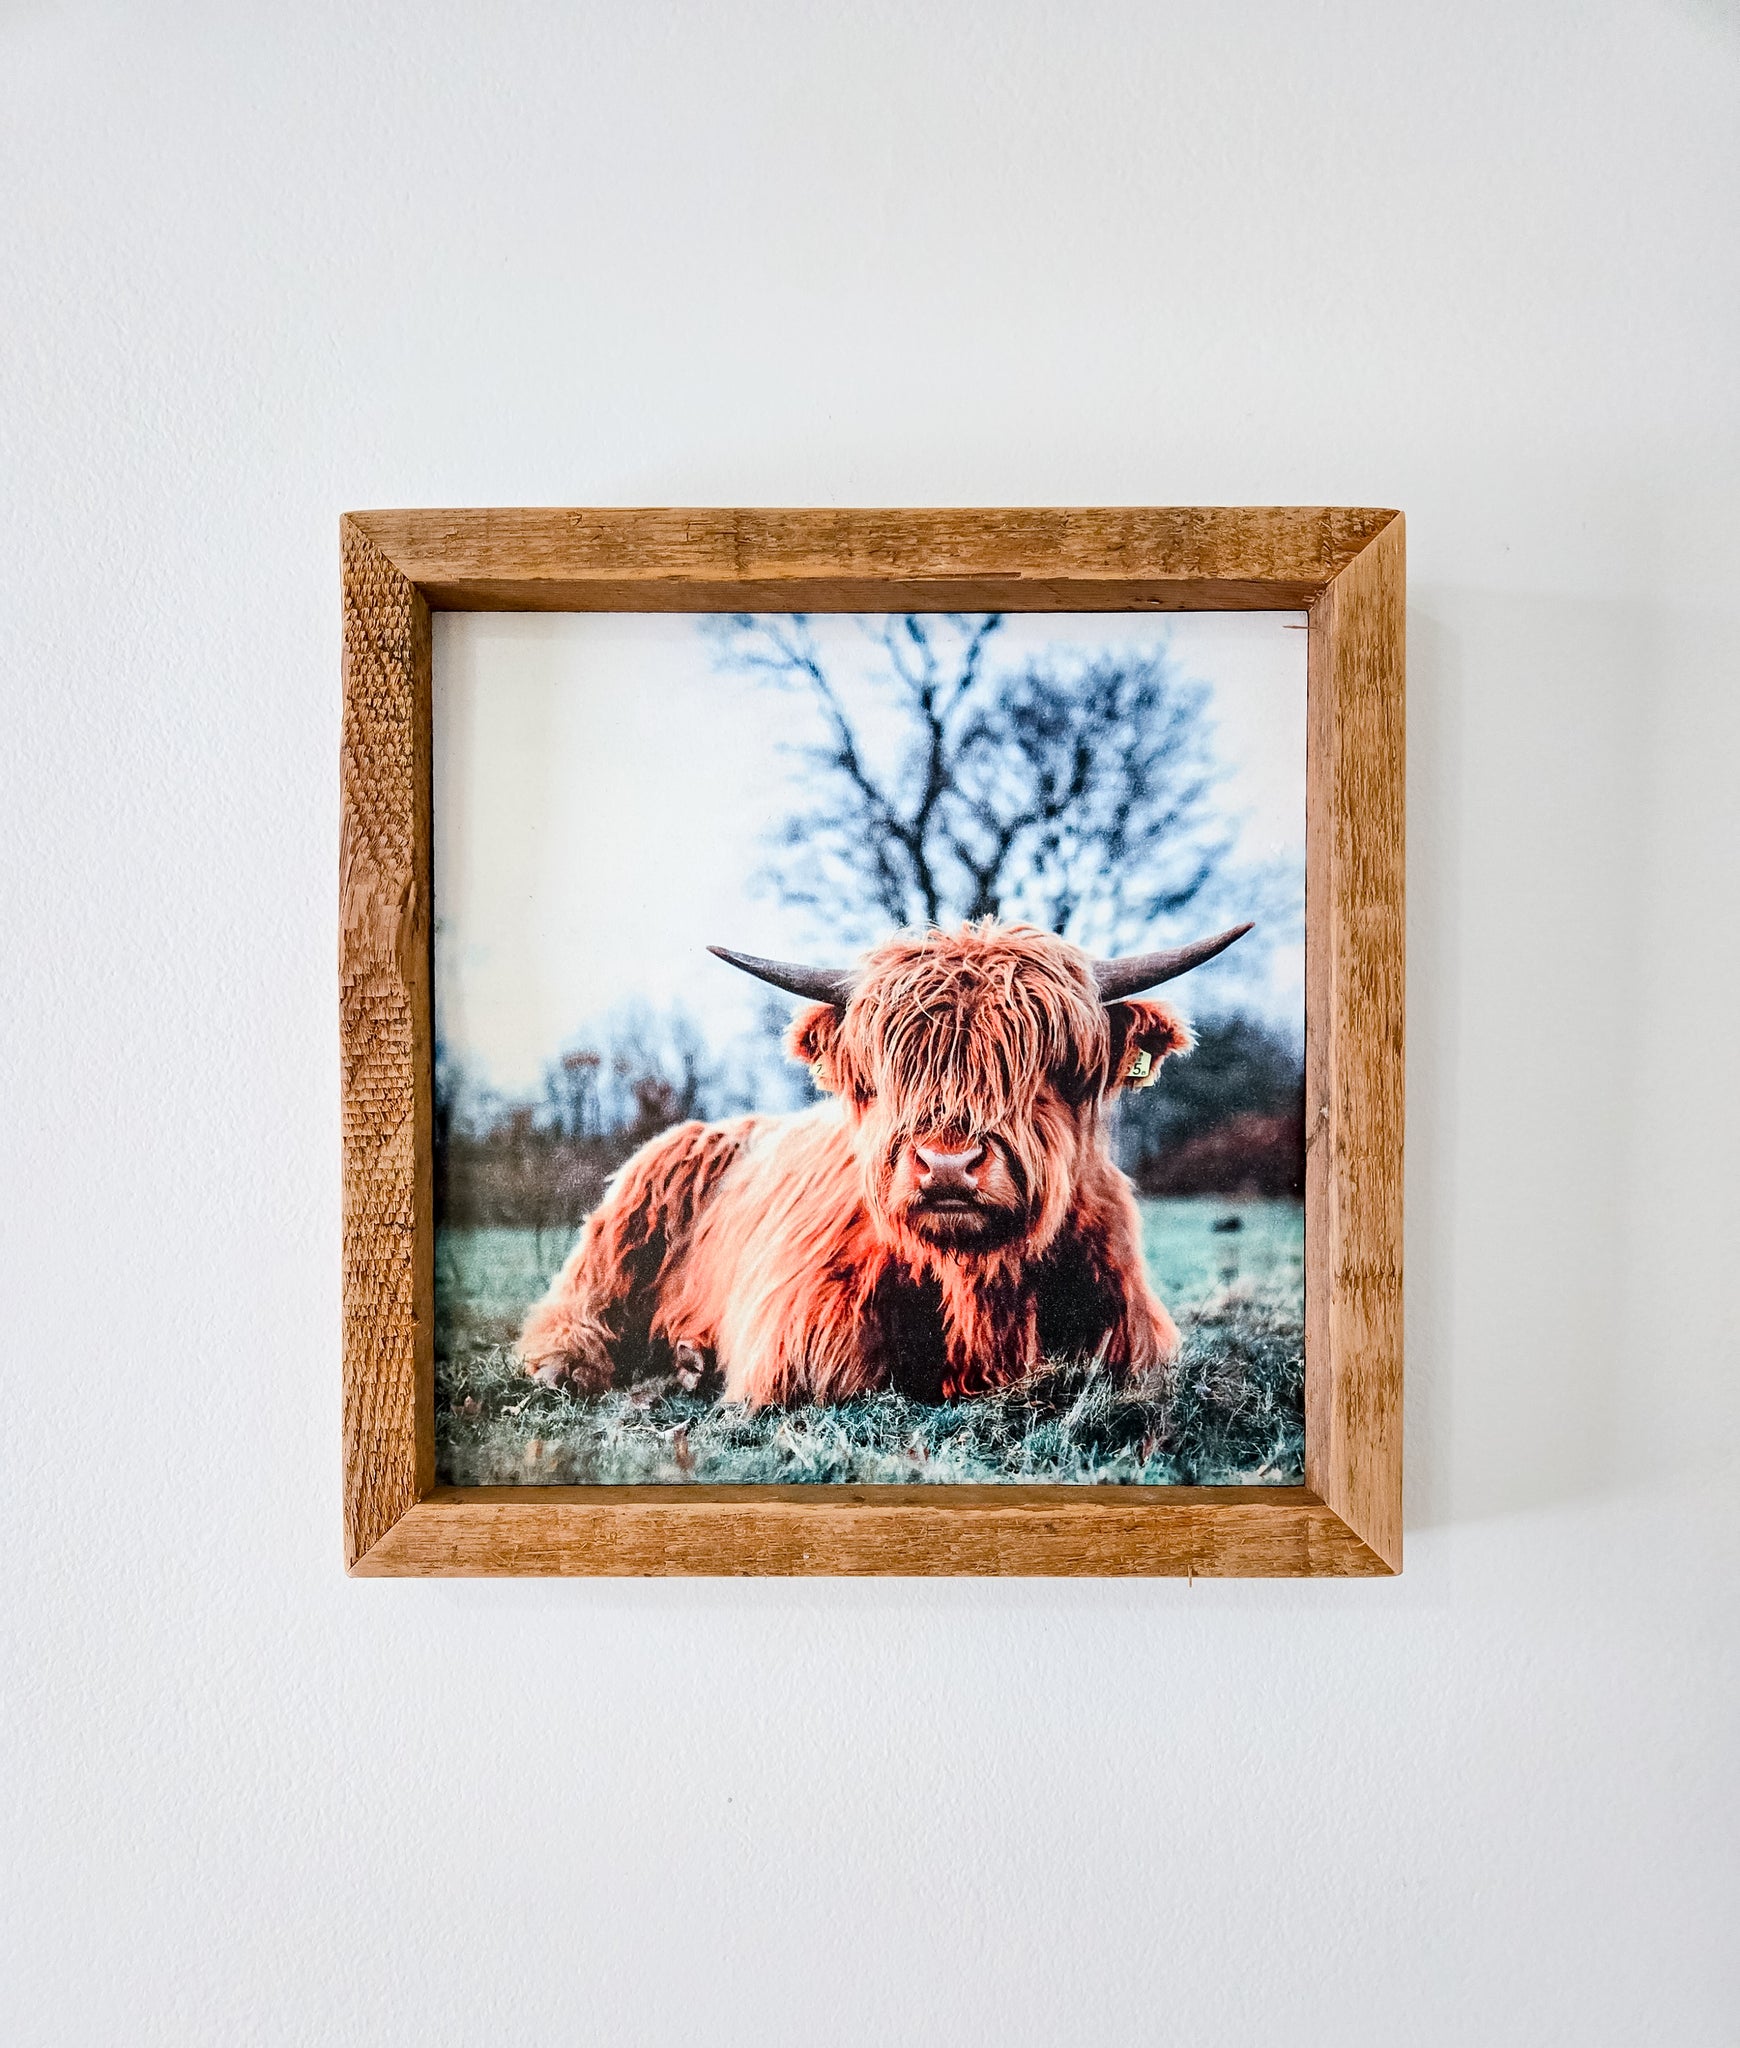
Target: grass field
{"type": "Point", "coordinates": [1234, 1412]}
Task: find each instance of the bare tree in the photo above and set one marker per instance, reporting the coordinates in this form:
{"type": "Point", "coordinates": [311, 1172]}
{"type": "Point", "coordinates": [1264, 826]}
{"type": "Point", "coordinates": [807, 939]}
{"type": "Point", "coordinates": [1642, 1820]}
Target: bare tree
{"type": "Point", "coordinates": [1073, 793]}
{"type": "Point", "coordinates": [571, 1094]}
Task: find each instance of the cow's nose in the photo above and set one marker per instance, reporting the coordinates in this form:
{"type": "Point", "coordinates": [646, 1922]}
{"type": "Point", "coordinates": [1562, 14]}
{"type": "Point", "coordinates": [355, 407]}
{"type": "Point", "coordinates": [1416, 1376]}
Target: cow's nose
{"type": "Point", "coordinates": [949, 1169]}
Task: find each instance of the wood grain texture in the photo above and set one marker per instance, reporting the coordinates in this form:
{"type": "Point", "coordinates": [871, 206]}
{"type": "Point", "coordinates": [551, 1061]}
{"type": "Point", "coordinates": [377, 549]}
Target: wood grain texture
{"type": "Point", "coordinates": [1125, 558]}
{"type": "Point", "coordinates": [1346, 565]}
{"type": "Point", "coordinates": [384, 893]}
{"type": "Point", "coordinates": [1041, 1531]}
{"type": "Point", "coordinates": [1355, 966]}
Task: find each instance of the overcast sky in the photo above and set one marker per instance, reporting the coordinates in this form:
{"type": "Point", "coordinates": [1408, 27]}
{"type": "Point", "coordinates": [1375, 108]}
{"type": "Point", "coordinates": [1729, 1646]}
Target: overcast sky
{"type": "Point", "coordinates": [603, 793]}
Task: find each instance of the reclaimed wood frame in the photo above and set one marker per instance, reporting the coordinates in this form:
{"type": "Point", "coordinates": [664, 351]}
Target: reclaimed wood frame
{"type": "Point", "coordinates": [1344, 567]}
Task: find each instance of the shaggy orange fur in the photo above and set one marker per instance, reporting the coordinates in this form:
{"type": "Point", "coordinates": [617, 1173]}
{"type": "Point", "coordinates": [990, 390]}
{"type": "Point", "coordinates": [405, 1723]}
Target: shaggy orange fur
{"type": "Point", "coordinates": [948, 1220]}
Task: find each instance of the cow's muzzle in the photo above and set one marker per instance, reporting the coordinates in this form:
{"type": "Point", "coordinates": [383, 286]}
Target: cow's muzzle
{"type": "Point", "coordinates": [948, 1177]}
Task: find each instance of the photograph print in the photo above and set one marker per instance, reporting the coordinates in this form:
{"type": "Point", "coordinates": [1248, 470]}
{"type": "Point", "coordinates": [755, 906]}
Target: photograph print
{"type": "Point", "coordinates": [869, 1049]}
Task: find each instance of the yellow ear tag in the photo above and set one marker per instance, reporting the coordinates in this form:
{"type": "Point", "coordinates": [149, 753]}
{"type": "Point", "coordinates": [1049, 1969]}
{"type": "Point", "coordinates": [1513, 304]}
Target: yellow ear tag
{"type": "Point", "coordinates": [1141, 1066]}
{"type": "Point", "coordinates": [817, 1075]}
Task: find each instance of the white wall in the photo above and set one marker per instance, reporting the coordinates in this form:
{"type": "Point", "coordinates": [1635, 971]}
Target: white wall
{"type": "Point", "coordinates": [261, 265]}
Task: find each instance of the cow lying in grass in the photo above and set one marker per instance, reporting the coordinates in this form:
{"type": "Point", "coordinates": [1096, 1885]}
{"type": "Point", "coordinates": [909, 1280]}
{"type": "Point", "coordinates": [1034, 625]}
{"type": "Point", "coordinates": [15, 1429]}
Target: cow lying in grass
{"type": "Point", "coordinates": [946, 1221]}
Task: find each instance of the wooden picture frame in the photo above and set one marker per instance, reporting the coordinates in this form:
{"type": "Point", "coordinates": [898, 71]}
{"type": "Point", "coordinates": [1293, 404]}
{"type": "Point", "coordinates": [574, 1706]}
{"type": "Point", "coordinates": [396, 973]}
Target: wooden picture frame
{"type": "Point", "coordinates": [1344, 567]}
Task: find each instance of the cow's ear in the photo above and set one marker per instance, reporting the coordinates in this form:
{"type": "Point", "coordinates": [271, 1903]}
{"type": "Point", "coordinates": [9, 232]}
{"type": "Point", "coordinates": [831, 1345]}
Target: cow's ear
{"type": "Point", "coordinates": [814, 1038]}
{"type": "Point", "coordinates": [1142, 1035]}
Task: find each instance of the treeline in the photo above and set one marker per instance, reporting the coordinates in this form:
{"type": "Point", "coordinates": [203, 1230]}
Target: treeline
{"type": "Point", "coordinates": [532, 1169]}
{"type": "Point", "coordinates": [543, 1165]}
{"type": "Point", "coordinates": [1228, 1120]}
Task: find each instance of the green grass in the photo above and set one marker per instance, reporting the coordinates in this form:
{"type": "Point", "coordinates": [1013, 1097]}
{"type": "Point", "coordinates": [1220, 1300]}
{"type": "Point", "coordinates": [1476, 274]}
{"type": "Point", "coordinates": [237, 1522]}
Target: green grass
{"type": "Point", "coordinates": [1233, 1411]}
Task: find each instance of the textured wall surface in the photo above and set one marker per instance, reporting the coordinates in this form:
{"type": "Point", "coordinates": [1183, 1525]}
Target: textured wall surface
{"type": "Point", "coordinates": [1478, 262]}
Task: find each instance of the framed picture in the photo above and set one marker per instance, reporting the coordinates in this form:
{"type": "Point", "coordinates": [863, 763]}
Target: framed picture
{"type": "Point", "coordinates": [872, 1041]}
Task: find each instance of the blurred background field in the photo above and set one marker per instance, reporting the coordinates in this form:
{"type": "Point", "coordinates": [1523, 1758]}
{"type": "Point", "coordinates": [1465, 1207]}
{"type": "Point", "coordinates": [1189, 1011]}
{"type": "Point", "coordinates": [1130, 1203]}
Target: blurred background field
{"type": "Point", "coordinates": [487, 1278]}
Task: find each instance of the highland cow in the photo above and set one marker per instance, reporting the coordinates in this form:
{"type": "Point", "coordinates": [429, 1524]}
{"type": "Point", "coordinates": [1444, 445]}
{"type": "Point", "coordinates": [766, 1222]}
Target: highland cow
{"type": "Point", "coordinates": [945, 1222]}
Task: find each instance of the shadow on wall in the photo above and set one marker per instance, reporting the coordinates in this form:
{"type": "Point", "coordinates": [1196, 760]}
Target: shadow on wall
{"type": "Point", "coordinates": [1568, 1152]}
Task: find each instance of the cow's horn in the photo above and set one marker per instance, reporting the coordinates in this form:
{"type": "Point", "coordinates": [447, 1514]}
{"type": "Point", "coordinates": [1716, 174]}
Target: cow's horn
{"type": "Point", "coordinates": [820, 984]}
{"type": "Point", "coordinates": [1119, 978]}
